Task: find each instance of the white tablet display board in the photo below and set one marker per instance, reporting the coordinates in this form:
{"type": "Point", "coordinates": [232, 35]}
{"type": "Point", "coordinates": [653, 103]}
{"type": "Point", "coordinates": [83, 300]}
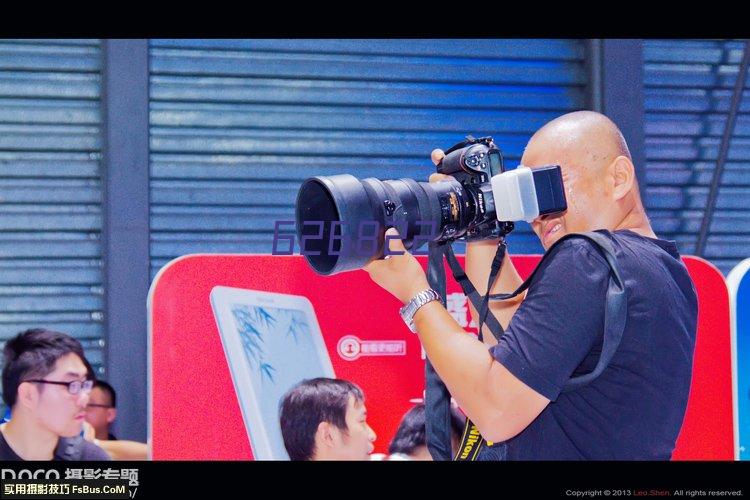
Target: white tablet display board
{"type": "Point", "coordinates": [271, 341]}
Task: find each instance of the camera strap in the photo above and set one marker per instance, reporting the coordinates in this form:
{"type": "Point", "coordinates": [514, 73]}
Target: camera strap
{"type": "Point", "coordinates": [437, 404]}
{"type": "Point", "coordinates": [616, 308]}
{"type": "Point", "coordinates": [437, 399]}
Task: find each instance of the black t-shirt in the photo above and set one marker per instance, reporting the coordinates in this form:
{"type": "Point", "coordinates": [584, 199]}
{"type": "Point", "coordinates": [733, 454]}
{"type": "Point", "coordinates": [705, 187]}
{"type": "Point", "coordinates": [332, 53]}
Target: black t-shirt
{"type": "Point", "coordinates": [635, 408]}
{"type": "Point", "coordinates": [84, 450]}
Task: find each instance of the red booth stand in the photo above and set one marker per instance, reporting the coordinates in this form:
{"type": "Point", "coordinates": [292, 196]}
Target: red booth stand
{"type": "Point", "coordinates": [193, 409]}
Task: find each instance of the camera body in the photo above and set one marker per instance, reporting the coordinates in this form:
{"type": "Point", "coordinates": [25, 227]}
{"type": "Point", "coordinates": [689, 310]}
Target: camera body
{"type": "Point", "coordinates": [473, 163]}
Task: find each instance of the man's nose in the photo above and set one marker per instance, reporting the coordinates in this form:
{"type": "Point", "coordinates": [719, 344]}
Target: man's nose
{"type": "Point", "coordinates": [372, 436]}
{"type": "Point", "coordinates": [540, 219]}
{"type": "Point", "coordinates": [83, 398]}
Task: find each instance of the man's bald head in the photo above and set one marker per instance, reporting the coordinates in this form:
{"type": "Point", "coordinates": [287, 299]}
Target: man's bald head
{"type": "Point", "coordinates": [582, 138]}
{"type": "Point", "coordinates": [598, 174]}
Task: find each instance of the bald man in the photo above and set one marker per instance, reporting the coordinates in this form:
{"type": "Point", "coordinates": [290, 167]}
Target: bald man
{"type": "Point", "coordinates": [512, 390]}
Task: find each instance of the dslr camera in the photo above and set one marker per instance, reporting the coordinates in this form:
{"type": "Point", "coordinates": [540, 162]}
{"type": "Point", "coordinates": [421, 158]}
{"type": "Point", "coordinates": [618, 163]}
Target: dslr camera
{"type": "Point", "coordinates": [341, 220]}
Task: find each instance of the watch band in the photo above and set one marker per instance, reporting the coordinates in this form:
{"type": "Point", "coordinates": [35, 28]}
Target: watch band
{"type": "Point", "coordinates": [410, 309]}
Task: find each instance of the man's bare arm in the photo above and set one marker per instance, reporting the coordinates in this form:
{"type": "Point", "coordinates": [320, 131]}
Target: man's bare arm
{"type": "Point", "coordinates": [498, 403]}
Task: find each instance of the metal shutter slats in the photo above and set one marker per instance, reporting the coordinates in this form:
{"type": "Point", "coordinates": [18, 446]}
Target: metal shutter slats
{"type": "Point", "coordinates": [688, 89]}
{"type": "Point", "coordinates": [236, 125]}
{"type": "Point", "coordinates": [50, 191]}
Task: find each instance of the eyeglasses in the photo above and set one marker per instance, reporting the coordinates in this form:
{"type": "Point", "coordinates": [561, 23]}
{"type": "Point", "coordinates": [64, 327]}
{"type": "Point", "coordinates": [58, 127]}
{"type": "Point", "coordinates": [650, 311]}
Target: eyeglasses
{"type": "Point", "coordinates": [74, 387]}
{"type": "Point", "coordinates": [96, 405]}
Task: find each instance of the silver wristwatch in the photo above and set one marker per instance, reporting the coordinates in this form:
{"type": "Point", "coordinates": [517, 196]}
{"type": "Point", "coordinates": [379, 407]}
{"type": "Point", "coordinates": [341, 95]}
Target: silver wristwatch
{"type": "Point", "coordinates": [410, 309]}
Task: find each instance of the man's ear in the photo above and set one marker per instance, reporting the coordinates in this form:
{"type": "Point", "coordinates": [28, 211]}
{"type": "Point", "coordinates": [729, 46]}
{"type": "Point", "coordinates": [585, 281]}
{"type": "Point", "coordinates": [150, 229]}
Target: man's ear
{"type": "Point", "coordinates": [28, 395]}
{"type": "Point", "coordinates": [325, 435]}
{"type": "Point", "coordinates": [623, 173]}
{"type": "Point", "coordinates": [111, 414]}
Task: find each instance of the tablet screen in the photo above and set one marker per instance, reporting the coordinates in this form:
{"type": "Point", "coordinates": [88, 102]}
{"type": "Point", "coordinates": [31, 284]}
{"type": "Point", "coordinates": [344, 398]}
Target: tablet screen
{"type": "Point", "coordinates": [280, 346]}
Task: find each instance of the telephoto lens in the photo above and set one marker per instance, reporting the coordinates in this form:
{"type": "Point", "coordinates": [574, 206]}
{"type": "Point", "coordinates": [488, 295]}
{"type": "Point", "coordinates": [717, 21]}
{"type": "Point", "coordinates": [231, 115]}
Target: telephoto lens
{"type": "Point", "coordinates": [341, 220]}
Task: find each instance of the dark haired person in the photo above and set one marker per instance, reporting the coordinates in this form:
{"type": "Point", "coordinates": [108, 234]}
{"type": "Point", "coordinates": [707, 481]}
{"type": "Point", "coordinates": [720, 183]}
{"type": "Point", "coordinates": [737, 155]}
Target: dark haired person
{"type": "Point", "coordinates": [101, 412]}
{"type": "Point", "coordinates": [410, 442]}
{"type": "Point", "coordinates": [46, 384]}
{"type": "Point", "coordinates": [101, 409]}
{"type": "Point", "coordinates": [513, 390]}
{"type": "Point", "coordinates": [325, 419]}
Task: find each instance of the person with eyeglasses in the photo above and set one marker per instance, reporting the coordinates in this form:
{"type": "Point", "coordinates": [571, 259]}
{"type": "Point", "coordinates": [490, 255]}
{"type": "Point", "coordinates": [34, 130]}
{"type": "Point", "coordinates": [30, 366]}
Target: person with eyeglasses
{"type": "Point", "coordinates": [101, 412]}
{"type": "Point", "coordinates": [46, 384]}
